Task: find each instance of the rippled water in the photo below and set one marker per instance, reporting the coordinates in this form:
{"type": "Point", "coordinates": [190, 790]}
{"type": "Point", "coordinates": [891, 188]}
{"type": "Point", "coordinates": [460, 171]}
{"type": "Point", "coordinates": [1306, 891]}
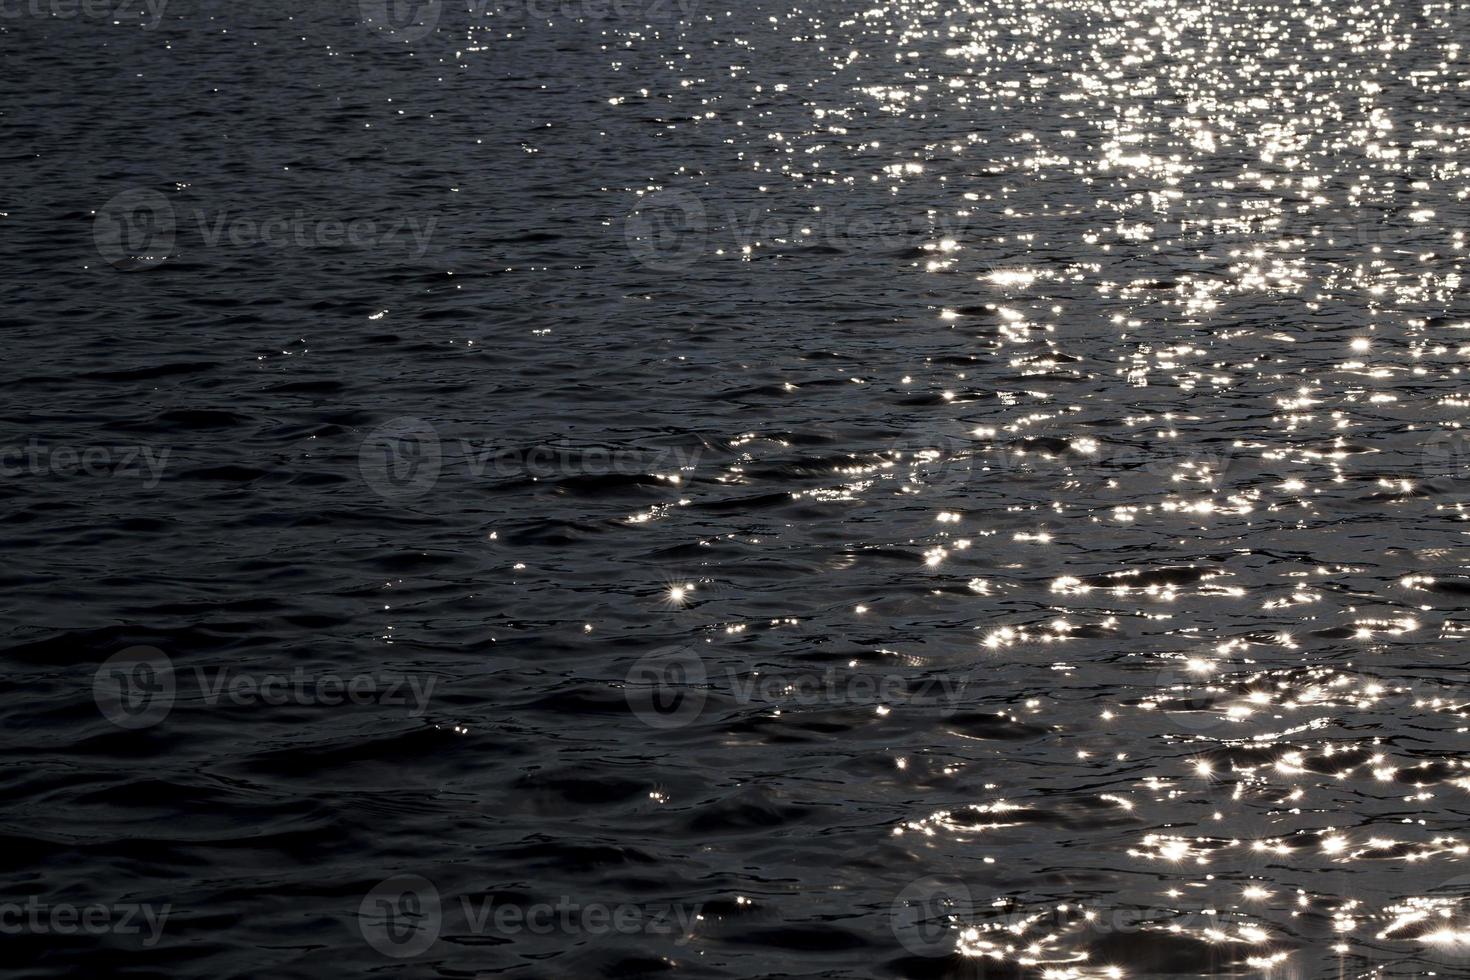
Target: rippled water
{"type": "Point", "coordinates": [628, 488]}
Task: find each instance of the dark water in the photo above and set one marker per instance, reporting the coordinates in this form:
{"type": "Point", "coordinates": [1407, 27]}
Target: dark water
{"type": "Point", "coordinates": [617, 489]}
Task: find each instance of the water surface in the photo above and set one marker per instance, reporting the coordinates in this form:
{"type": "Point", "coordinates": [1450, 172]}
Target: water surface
{"type": "Point", "coordinates": [894, 489]}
